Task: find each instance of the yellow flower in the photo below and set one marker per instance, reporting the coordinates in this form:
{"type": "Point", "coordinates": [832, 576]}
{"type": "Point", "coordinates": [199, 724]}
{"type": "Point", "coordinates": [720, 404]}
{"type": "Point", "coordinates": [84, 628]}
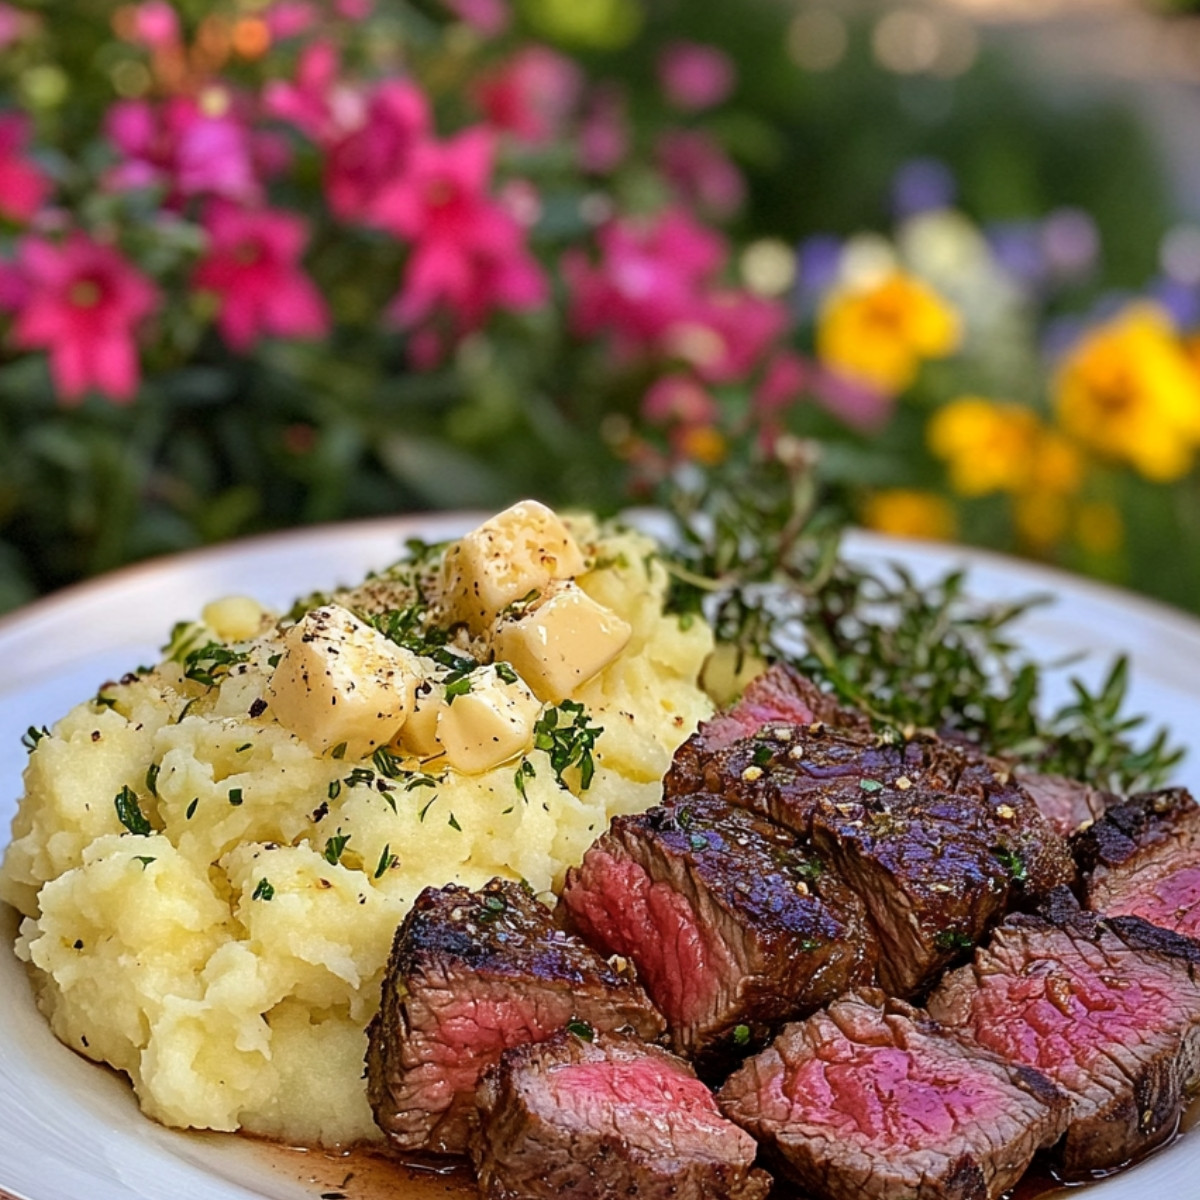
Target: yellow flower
{"type": "Point", "coordinates": [880, 334]}
{"type": "Point", "coordinates": [1001, 447]}
{"type": "Point", "coordinates": [1129, 391]}
{"type": "Point", "coordinates": [905, 512]}
{"type": "Point", "coordinates": [1041, 519]}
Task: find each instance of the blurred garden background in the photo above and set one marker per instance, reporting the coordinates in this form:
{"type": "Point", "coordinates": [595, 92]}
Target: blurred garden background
{"type": "Point", "coordinates": [273, 262]}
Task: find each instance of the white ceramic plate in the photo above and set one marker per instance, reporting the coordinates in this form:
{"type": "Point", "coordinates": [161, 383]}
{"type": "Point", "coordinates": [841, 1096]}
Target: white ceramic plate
{"type": "Point", "coordinates": [70, 1129]}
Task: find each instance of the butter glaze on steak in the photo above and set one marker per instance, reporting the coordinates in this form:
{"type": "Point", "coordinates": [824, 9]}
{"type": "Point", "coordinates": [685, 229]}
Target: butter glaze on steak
{"type": "Point", "coordinates": [730, 920]}
{"type": "Point", "coordinates": [600, 1117]}
{"type": "Point", "coordinates": [471, 974]}
{"type": "Point", "coordinates": [1107, 1009]}
{"type": "Point", "coordinates": [871, 1099]}
{"type": "Point", "coordinates": [787, 771]}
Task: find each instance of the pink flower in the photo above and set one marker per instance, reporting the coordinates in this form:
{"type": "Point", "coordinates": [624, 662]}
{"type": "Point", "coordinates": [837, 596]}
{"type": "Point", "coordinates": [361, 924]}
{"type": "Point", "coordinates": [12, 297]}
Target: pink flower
{"type": "Point", "coordinates": [679, 400]}
{"type": "Point", "coordinates": [489, 17]}
{"type": "Point", "coordinates": [23, 187]}
{"type": "Point", "coordinates": [648, 281]}
{"type": "Point", "coordinates": [694, 76]}
{"type": "Point", "coordinates": [701, 173]}
{"type": "Point", "coordinates": [316, 103]}
{"type": "Point", "coordinates": [14, 25]}
{"type": "Point", "coordinates": [187, 148]}
{"type": "Point", "coordinates": [154, 24]}
{"type": "Point", "coordinates": [532, 95]}
{"type": "Point", "coordinates": [82, 302]}
{"type": "Point", "coordinates": [368, 164]}
{"type": "Point", "coordinates": [252, 264]}
{"type": "Point", "coordinates": [469, 255]}
{"type": "Point", "coordinates": [290, 18]}
{"type": "Point", "coordinates": [353, 10]}
{"type": "Point", "coordinates": [604, 132]}
{"type": "Point", "coordinates": [727, 333]}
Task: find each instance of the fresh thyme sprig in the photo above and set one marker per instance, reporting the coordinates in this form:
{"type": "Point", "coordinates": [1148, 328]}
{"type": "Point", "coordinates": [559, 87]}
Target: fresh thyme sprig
{"type": "Point", "coordinates": [759, 551]}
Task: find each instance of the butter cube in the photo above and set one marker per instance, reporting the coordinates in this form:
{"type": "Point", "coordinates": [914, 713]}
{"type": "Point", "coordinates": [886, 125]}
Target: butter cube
{"type": "Point", "coordinates": [489, 724]}
{"type": "Point", "coordinates": [560, 641]}
{"type": "Point", "coordinates": [339, 681]}
{"type": "Point", "coordinates": [419, 733]}
{"type": "Point", "coordinates": [518, 551]}
{"type": "Point", "coordinates": [234, 618]}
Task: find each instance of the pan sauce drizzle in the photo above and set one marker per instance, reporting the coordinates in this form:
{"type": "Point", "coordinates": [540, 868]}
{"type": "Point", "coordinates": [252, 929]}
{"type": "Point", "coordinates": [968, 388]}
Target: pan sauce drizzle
{"type": "Point", "coordinates": [364, 1174]}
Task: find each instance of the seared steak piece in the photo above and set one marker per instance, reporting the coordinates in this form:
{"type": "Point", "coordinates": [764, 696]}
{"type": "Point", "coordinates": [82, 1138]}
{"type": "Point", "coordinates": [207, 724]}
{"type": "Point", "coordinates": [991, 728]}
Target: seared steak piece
{"type": "Point", "coordinates": [595, 1116]}
{"type": "Point", "coordinates": [779, 696]}
{"type": "Point", "coordinates": [734, 926]}
{"type": "Point", "coordinates": [470, 974]}
{"type": "Point", "coordinates": [929, 870]}
{"type": "Point", "coordinates": [1067, 804]}
{"type": "Point", "coordinates": [1143, 860]}
{"type": "Point", "coordinates": [787, 771]}
{"type": "Point", "coordinates": [1108, 1009]}
{"type": "Point", "coordinates": [870, 1098]}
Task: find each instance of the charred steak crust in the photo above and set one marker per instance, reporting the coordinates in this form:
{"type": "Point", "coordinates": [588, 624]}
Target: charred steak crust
{"type": "Point", "coordinates": [1109, 1009]}
{"type": "Point", "coordinates": [733, 924]}
{"type": "Point", "coordinates": [470, 974]}
{"type": "Point", "coordinates": [780, 695]}
{"type": "Point", "coordinates": [594, 1116]}
{"type": "Point", "coordinates": [786, 771]}
{"type": "Point", "coordinates": [870, 1098]}
{"type": "Point", "coordinates": [929, 871]}
{"type": "Point", "coordinates": [1141, 860]}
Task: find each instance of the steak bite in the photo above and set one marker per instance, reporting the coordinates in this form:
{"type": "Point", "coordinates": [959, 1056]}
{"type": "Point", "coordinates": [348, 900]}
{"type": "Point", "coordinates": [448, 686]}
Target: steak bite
{"type": "Point", "coordinates": [870, 1098]}
{"type": "Point", "coordinates": [779, 696]}
{"type": "Point", "coordinates": [591, 1116]}
{"type": "Point", "coordinates": [929, 870]}
{"type": "Point", "coordinates": [1108, 1009]}
{"type": "Point", "coordinates": [1067, 804]}
{"type": "Point", "coordinates": [1143, 860]}
{"type": "Point", "coordinates": [787, 771]}
{"type": "Point", "coordinates": [470, 974]}
{"type": "Point", "coordinates": [734, 926]}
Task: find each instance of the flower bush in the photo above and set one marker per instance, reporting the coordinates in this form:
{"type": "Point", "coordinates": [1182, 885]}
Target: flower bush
{"type": "Point", "coordinates": [266, 262]}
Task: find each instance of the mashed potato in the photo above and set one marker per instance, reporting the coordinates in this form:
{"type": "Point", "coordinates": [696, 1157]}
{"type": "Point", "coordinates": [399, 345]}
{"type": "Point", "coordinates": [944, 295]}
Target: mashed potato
{"type": "Point", "coordinates": [210, 892]}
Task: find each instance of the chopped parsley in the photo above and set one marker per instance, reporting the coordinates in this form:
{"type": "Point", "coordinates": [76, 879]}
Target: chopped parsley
{"type": "Point", "coordinates": [210, 663]}
{"type": "Point", "coordinates": [582, 1030]}
{"type": "Point", "coordinates": [387, 763]}
{"type": "Point", "coordinates": [145, 859]}
{"type": "Point", "coordinates": [741, 1035]}
{"type": "Point", "coordinates": [454, 824]}
{"type": "Point", "coordinates": [458, 687]}
{"type": "Point", "coordinates": [565, 735]}
{"type": "Point", "coordinates": [33, 735]}
{"type": "Point", "coordinates": [335, 847]}
{"type": "Point", "coordinates": [129, 812]}
{"type": "Point", "coordinates": [1012, 862]}
{"type": "Point", "coordinates": [386, 859]}
{"type": "Point", "coordinates": [152, 778]}
{"type": "Point", "coordinates": [525, 771]}
{"type": "Point", "coordinates": [339, 751]}
{"type": "Point", "coordinates": [264, 890]}
{"type": "Point", "coordinates": [506, 673]}
{"type": "Point", "coordinates": [235, 797]}
{"type": "Point", "coordinates": [191, 808]}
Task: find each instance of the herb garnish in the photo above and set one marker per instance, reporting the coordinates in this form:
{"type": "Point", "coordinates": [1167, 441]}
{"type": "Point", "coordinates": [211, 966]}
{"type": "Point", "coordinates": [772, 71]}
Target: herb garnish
{"type": "Point", "coordinates": [335, 846]}
{"type": "Point", "coordinates": [33, 735]}
{"type": "Point", "coordinates": [757, 549]}
{"type": "Point", "coordinates": [565, 735]}
{"type": "Point", "coordinates": [264, 890]}
{"type": "Point", "coordinates": [210, 663]}
{"type": "Point", "coordinates": [386, 860]}
{"type": "Point", "coordinates": [582, 1030]}
{"type": "Point", "coordinates": [129, 812]}
{"type": "Point", "coordinates": [525, 771]}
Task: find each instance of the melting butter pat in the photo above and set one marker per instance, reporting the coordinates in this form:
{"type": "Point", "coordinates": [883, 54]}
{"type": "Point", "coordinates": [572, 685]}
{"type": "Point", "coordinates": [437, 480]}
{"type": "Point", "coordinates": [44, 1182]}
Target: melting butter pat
{"type": "Point", "coordinates": [339, 681]}
{"type": "Point", "coordinates": [489, 724]}
{"type": "Point", "coordinates": [419, 734]}
{"type": "Point", "coordinates": [560, 641]}
{"type": "Point", "coordinates": [517, 552]}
